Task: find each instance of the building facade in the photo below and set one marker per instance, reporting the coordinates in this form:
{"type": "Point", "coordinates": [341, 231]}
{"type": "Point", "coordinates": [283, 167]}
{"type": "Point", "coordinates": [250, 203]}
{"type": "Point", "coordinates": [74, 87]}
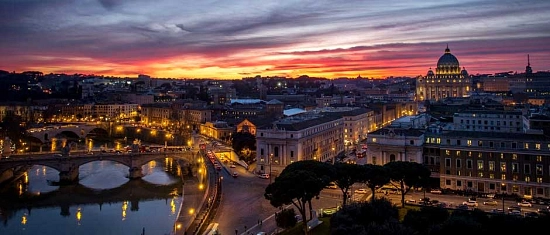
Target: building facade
{"type": "Point", "coordinates": [394, 144]}
{"type": "Point", "coordinates": [490, 162]}
{"type": "Point", "coordinates": [307, 136]}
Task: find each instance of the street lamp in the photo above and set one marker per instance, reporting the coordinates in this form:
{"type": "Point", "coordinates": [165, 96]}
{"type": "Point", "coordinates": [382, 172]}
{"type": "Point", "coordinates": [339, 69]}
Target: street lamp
{"type": "Point", "coordinates": [270, 163]}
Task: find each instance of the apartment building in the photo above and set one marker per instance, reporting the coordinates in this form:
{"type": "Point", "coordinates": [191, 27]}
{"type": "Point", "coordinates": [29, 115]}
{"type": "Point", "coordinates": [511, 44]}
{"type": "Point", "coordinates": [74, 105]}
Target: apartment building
{"type": "Point", "coordinates": [492, 162]}
{"type": "Point", "coordinates": [489, 120]}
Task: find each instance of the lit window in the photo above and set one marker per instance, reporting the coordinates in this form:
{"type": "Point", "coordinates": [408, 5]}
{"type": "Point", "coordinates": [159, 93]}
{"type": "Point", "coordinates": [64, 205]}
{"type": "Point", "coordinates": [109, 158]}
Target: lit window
{"type": "Point", "coordinates": [480, 165]}
{"type": "Point", "coordinates": [537, 146]}
{"type": "Point", "coordinates": [503, 167]}
{"type": "Point", "coordinates": [491, 166]}
{"type": "Point", "coordinates": [469, 142]}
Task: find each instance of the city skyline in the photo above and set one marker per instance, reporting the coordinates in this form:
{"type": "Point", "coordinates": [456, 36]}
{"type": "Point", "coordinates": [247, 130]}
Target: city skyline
{"type": "Point", "coordinates": [234, 39]}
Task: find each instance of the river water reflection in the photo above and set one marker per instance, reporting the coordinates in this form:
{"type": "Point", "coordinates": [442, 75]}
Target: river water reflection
{"type": "Point", "coordinates": [104, 202]}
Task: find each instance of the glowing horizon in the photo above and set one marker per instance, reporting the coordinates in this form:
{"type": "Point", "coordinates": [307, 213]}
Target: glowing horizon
{"type": "Point", "coordinates": [235, 39]}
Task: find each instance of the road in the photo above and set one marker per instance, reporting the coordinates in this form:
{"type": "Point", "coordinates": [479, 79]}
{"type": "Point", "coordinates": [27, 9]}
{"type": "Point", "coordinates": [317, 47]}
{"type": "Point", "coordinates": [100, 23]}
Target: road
{"type": "Point", "coordinates": [455, 200]}
{"type": "Point", "coordinates": [244, 210]}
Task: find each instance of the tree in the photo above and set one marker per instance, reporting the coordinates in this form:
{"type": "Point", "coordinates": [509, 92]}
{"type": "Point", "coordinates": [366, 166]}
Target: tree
{"type": "Point", "coordinates": [375, 176]}
{"type": "Point", "coordinates": [323, 171]}
{"type": "Point", "coordinates": [286, 218]}
{"type": "Point", "coordinates": [406, 175]}
{"type": "Point", "coordinates": [296, 188]}
{"type": "Point", "coordinates": [345, 176]}
{"type": "Point", "coordinates": [424, 219]}
{"type": "Point", "coordinates": [243, 140]}
{"type": "Point", "coordinates": [377, 217]}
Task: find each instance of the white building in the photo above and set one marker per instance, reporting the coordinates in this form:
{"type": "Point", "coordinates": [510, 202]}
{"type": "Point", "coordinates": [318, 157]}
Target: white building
{"type": "Point", "coordinates": [307, 136]}
{"type": "Point", "coordinates": [394, 144]}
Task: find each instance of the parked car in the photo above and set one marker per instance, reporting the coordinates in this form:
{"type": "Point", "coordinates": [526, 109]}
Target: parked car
{"type": "Point", "coordinates": [490, 203]}
{"type": "Point", "coordinates": [234, 174]}
{"type": "Point", "coordinates": [462, 207]}
{"type": "Point", "coordinates": [232, 165]}
{"type": "Point", "coordinates": [361, 191]}
{"type": "Point", "coordinates": [496, 211]}
{"type": "Point", "coordinates": [514, 208]}
{"type": "Point", "coordinates": [435, 191]}
{"type": "Point", "coordinates": [264, 176]}
{"type": "Point", "coordinates": [470, 203]}
{"type": "Point", "coordinates": [525, 204]}
{"type": "Point", "coordinates": [531, 214]}
{"type": "Point", "coordinates": [515, 213]}
{"type": "Point", "coordinates": [410, 201]}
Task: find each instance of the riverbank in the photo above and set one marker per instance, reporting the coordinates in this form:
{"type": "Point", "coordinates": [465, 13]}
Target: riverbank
{"type": "Point", "coordinates": [198, 206]}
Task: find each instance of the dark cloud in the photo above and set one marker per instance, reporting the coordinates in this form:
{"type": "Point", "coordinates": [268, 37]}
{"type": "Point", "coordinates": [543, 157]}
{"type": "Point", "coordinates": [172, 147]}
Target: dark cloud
{"type": "Point", "coordinates": [341, 34]}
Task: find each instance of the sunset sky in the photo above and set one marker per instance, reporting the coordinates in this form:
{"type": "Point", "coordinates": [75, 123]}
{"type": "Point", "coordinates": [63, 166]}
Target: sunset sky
{"type": "Point", "coordinates": [231, 39]}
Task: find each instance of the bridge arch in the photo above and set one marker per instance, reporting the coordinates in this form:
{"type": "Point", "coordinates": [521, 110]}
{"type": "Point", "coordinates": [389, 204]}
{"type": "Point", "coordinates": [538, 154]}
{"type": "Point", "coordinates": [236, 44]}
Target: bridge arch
{"type": "Point", "coordinates": [98, 132]}
{"type": "Point", "coordinates": [68, 166]}
{"type": "Point", "coordinates": [17, 165]}
{"type": "Point", "coordinates": [69, 135]}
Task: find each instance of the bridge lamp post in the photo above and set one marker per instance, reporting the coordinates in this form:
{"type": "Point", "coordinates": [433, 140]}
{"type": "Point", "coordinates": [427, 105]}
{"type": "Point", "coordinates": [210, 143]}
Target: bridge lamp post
{"type": "Point", "coordinates": [270, 163]}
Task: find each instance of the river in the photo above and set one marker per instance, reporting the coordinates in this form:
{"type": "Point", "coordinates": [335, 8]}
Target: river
{"type": "Point", "coordinates": [104, 201]}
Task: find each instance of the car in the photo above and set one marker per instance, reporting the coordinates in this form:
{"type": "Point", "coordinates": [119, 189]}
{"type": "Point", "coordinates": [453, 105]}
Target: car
{"type": "Point", "coordinates": [435, 191]}
{"type": "Point", "coordinates": [425, 201]}
{"type": "Point", "coordinates": [410, 201]}
{"type": "Point", "coordinates": [264, 176]}
{"type": "Point", "coordinates": [531, 214]}
{"type": "Point", "coordinates": [525, 204]}
{"type": "Point", "coordinates": [234, 174]}
{"type": "Point", "coordinates": [470, 203]}
{"type": "Point", "coordinates": [490, 203]}
{"type": "Point", "coordinates": [544, 211]}
{"type": "Point", "coordinates": [514, 208]}
{"type": "Point", "coordinates": [232, 166]}
{"type": "Point", "coordinates": [360, 191]}
{"type": "Point", "coordinates": [515, 213]}
{"type": "Point", "coordinates": [462, 207]}
{"type": "Point", "coordinates": [496, 211]}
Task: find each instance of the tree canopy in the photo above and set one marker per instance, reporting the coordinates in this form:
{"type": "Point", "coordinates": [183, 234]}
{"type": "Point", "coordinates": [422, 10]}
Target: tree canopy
{"type": "Point", "coordinates": [406, 175]}
{"type": "Point", "coordinates": [294, 187]}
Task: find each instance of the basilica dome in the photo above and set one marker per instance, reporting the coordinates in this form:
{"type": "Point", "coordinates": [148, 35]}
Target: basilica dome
{"type": "Point", "coordinates": [448, 63]}
{"type": "Point", "coordinates": [447, 59]}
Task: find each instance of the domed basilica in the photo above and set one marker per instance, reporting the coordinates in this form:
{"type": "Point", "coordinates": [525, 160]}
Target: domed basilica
{"type": "Point", "coordinates": [448, 81]}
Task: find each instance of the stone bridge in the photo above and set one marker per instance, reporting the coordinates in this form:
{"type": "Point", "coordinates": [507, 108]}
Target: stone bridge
{"type": "Point", "coordinates": [132, 191]}
{"type": "Point", "coordinates": [45, 134]}
{"type": "Point", "coordinates": [68, 166]}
